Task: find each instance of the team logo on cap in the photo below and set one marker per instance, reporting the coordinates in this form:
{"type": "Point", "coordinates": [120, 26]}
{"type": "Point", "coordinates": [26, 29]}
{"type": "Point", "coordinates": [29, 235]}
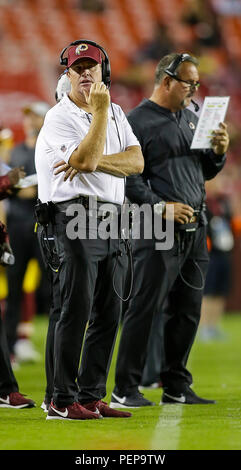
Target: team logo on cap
{"type": "Point", "coordinates": [81, 48]}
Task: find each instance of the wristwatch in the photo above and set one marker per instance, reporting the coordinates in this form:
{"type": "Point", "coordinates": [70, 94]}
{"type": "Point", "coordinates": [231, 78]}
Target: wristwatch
{"type": "Point", "coordinates": [159, 207]}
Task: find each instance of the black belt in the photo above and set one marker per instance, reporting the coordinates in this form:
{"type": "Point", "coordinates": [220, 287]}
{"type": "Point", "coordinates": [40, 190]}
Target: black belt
{"type": "Point", "coordinates": [62, 206]}
{"type": "Point", "coordinates": [84, 201]}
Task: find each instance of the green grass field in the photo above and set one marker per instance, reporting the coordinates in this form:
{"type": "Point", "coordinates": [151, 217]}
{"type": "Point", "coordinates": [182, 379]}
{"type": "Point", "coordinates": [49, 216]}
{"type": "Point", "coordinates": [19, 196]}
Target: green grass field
{"type": "Point", "coordinates": [216, 368]}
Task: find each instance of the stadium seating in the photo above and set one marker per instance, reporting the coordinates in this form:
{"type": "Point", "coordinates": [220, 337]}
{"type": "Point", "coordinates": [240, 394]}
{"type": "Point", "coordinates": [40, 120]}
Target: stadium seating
{"type": "Point", "coordinates": [33, 33]}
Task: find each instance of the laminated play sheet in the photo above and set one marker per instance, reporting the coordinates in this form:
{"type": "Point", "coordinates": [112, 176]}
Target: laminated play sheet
{"type": "Point", "coordinates": [213, 112]}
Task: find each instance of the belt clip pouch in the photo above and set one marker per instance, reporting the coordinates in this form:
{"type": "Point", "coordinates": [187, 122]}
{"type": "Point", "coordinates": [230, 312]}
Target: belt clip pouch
{"type": "Point", "coordinates": [190, 227]}
{"type": "Point", "coordinates": [44, 212]}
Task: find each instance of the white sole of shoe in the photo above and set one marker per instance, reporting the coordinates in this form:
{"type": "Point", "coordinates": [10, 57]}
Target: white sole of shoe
{"type": "Point", "coordinates": [68, 419]}
{"type": "Point", "coordinates": [119, 405]}
{"type": "Point", "coordinates": [18, 407]}
{"type": "Point", "coordinates": [59, 417]}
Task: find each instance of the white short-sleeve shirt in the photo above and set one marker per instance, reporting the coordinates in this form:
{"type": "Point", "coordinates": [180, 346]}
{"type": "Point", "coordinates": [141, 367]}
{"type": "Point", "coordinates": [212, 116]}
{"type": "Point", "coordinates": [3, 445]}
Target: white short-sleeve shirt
{"type": "Point", "coordinates": [65, 126]}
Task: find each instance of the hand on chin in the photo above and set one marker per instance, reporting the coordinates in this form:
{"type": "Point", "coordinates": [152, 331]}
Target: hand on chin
{"type": "Point", "coordinates": [85, 86]}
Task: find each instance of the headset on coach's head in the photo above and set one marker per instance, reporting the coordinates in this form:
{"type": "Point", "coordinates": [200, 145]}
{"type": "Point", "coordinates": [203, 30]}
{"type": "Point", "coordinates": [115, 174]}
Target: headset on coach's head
{"type": "Point", "coordinates": [105, 65]}
{"type": "Point", "coordinates": [172, 67]}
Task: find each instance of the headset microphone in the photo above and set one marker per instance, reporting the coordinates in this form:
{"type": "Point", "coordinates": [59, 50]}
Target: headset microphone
{"type": "Point", "coordinates": [196, 106]}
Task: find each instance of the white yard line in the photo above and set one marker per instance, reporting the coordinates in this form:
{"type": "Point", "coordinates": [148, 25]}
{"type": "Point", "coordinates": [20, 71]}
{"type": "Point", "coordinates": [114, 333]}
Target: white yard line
{"type": "Point", "coordinates": [167, 432]}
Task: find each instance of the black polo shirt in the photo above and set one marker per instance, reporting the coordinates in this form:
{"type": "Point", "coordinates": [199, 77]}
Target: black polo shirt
{"type": "Point", "coordinates": [173, 172]}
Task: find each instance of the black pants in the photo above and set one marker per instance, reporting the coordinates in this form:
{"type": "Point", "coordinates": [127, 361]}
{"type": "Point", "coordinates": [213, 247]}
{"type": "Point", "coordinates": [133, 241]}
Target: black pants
{"type": "Point", "coordinates": [51, 265]}
{"type": "Point", "coordinates": [8, 381]}
{"type": "Point", "coordinates": [87, 268]}
{"type": "Point", "coordinates": [157, 276]}
{"type": "Point", "coordinates": [54, 316]}
{"type": "Point", "coordinates": [25, 246]}
{"type": "Point", "coordinates": [155, 354]}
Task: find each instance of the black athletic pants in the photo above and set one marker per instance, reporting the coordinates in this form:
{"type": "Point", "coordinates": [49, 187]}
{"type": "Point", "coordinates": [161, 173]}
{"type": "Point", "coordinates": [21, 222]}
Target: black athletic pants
{"type": "Point", "coordinates": [8, 381]}
{"type": "Point", "coordinates": [87, 269]}
{"type": "Point", "coordinates": [154, 354]}
{"type": "Point", "coordinates": [51, 264]}
{"type": "Point", "coordinates": [156, 277]}
{"type": "Point", "coordinates": [54, 315]}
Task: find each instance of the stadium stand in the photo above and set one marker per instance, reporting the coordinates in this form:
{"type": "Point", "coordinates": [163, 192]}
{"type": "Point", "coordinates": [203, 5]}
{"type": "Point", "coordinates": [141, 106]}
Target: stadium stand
{"type": "Point", "coordinates": [33, 33]}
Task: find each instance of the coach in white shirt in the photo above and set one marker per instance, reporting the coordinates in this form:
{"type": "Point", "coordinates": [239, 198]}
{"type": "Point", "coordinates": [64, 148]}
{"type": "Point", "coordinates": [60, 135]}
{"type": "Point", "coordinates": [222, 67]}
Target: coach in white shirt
{"type": "Point", "coordinates": [94, 138]}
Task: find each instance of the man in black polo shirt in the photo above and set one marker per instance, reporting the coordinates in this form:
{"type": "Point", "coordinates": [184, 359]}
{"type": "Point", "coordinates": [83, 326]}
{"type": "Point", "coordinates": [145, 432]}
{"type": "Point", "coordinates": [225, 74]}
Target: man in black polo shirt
{"type": "Point", "coordinates": [174, 174]}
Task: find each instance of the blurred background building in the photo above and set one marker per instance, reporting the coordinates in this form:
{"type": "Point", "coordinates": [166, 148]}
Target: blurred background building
{"type": "Point", "coordinates": [135, 33]}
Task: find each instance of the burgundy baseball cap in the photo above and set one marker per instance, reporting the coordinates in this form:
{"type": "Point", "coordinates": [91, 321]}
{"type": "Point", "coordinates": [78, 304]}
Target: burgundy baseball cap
{"type": "Point", "coordinates": [83, 51]}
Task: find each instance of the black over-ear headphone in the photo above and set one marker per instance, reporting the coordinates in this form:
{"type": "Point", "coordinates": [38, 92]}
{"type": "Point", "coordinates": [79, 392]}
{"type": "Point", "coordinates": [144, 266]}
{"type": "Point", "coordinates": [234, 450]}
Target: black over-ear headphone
{"type": "Point", "coordinates": [171, 69]}
{"type": "Point", "coordinates": [106, 70]}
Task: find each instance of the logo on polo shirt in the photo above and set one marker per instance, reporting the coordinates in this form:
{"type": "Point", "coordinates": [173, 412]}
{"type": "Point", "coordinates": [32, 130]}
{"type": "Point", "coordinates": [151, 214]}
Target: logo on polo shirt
{"type": "Point", "coordinates": [81, 48]}
{"type": "Point", "coordinates": [63, 148]}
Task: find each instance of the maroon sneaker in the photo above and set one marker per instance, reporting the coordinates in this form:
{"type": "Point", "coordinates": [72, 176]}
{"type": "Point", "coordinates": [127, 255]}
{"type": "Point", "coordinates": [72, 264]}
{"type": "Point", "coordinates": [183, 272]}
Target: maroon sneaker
{"type": "Point", "coordinates": [74, 411]}
{"type": "Point", "coordinates": [105, 410]}
{"type": "Point", "coordinates": [15, 400]}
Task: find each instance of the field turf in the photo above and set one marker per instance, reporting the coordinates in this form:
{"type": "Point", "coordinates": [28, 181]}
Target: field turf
{"type": "Point", "coordinates": [216, 368]}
